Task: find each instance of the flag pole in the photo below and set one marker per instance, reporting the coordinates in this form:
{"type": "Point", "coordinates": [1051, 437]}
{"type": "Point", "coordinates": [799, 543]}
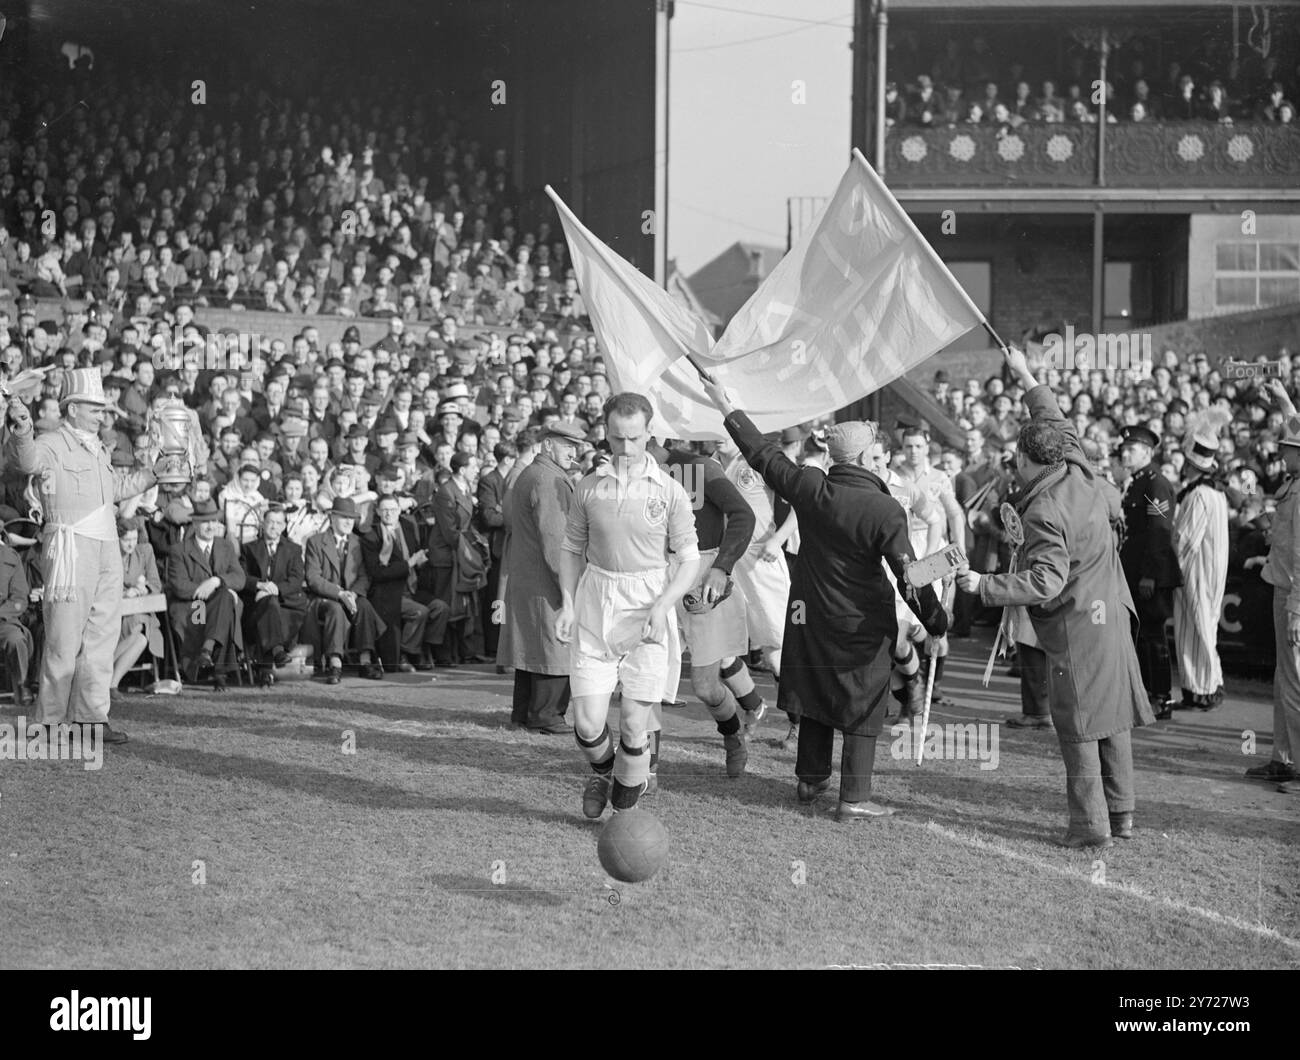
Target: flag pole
{"type": "Point", "coordinates": [993, 334]}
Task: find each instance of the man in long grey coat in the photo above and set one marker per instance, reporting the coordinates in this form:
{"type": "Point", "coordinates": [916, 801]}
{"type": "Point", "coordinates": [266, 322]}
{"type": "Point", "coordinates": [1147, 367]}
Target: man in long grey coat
{"type": "Point", "coordinates": [540, 500]}
{"type": "Point", "coordinates": [81, 559]}
{"type": "Point", "coordinates": [1071, 580]}
{"type": "Point", "coordinates": [840, 626]}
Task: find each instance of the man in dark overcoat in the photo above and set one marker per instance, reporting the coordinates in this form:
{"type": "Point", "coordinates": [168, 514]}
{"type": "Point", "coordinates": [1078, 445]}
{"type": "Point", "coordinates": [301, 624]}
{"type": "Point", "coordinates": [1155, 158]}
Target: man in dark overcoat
{"type": "Point", "coordinates": [840, 627]}
{"type": "Point", "coordinates": [204, 579]}
{"type": "Point", "coordinates": [540, 500]}
{"type": "Point", "coordinates": [393, 558]}
{"type": "Point", "coordinates": [275, 600]}
{"type": "Point", "coordinates": [453, 509]}
{"type": "Point", "coordinates": [339, 615]}
{"type": "Point", "coordinates": [1069, 576]}
{"type": "Point", "coordinates": [491, 523]}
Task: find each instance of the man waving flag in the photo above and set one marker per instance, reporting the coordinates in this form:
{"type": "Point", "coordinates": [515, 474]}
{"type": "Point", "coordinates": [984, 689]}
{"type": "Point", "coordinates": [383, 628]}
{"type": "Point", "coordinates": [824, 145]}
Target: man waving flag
{"type": "Point", "coordinates": [858, 301]}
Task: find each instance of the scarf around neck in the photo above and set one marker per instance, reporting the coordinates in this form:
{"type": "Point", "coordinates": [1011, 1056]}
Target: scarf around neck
{"type": "Point", "coordinates": [88, 439]}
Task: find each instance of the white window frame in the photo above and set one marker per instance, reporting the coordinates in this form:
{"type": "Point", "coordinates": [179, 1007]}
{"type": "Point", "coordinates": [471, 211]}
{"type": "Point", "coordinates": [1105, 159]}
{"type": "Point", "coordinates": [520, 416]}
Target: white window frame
{"type": "Point", "coordinates": [1256, 275]}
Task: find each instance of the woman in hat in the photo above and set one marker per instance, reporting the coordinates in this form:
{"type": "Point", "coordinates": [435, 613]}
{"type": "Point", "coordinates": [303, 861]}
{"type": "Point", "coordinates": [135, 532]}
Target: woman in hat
{"type": "Point", "coordinates": [140, 577]}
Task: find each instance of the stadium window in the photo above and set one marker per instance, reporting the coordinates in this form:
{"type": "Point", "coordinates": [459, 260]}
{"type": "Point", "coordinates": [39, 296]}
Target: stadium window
{"type": "Point", "coordinates": [1249, 275]}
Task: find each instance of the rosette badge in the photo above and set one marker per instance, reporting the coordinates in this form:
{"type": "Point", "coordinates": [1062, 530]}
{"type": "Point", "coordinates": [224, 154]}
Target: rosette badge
{"type": "Point", "coordinates": [171, 431]}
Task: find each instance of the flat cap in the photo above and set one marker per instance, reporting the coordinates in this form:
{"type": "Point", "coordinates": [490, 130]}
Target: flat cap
{"type": "Point", "coordinates": [847, 441]}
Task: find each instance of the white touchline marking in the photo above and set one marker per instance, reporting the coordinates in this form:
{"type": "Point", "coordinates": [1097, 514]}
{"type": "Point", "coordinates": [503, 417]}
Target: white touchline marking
{"type": "Point", "coordinates": [1125, 888]}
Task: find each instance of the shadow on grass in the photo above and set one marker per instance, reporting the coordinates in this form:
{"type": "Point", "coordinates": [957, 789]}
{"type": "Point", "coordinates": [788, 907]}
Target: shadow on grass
{"type": "Point", "coordinates": [327, 784]}
{"type": "Point", "coordinates": [1151, 815]}
{"type": "Point", "coordinates": [553, 757]}
{"type": "Point", "coordinates": [451, 883]}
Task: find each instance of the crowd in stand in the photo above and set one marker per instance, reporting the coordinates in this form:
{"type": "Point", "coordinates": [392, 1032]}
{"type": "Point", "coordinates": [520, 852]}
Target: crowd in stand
{"type": "Point", "coordinates": [1167, 399]}
{"type": "Point", "coordinates": [383, 465]}
{"type": "Point", "coordinates": [140, 207]}
{"type": "Point", "coordinates": [136, 214]}
{"type": "Point", "coordinates": [968, 85]}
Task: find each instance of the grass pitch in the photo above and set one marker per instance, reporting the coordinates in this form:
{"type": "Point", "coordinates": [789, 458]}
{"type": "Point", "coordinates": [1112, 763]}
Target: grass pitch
{"type": "Point", "coordinates": [237, 831]}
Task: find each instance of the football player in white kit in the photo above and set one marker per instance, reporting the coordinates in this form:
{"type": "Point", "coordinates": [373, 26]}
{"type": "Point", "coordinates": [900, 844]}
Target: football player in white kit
{"type": "Point", "coordinates": [711, 617]}
{"type": "Point", "coordinates": [925, 530]}
{"type": "Point", "coordinates": [619, 601]}
{"type": "Point", "coordinates": [761, 573]}
{"type": "Point", "coordinates": [915, 468]}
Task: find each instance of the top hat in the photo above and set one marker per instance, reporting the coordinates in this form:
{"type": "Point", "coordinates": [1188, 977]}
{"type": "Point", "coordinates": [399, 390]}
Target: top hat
{"type": "Point", "coordinates": [1145, 435]}
{"type": "Point", "coordinates": [1200, 449]}
{"type": "Point", "coordinates": [1201, 442]}
{"type": "Point", "coordinates": [83, 384]}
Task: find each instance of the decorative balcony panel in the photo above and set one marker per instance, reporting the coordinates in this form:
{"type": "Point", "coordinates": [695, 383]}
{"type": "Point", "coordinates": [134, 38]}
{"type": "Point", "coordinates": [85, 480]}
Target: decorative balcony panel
{"type": "Point", "coordinates": [1187, 154]}
{"type": "Point", "coordinates": [1193, 154]}
{"type": "Point", "coordinates": [1031, 156]}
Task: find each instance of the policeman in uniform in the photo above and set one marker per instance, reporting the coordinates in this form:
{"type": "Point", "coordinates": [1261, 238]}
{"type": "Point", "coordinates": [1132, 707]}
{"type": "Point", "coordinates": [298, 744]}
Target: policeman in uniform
{"type": "Point", "coordinates": [1149, 560]}
{"type": "Point", "coordinates": [82, 560]}
{"type": "Point", "coordinates": [618, 600]}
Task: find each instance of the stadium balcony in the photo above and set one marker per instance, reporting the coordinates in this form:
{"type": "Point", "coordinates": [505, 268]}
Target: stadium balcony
{"type": "Point", "coordinates": [1133, 155]}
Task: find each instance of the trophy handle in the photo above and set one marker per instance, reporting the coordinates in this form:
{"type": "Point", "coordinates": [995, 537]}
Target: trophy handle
{"type": "Point", "coordinates": [35, 510]}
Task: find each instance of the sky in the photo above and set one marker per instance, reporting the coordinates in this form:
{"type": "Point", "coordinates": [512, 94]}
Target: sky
{"type": "Point", "coordinates": [738, 142]}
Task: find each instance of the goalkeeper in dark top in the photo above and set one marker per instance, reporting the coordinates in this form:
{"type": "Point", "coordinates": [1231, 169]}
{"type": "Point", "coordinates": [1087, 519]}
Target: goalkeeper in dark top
{"type": "Point", "coordinates": [711, 616]}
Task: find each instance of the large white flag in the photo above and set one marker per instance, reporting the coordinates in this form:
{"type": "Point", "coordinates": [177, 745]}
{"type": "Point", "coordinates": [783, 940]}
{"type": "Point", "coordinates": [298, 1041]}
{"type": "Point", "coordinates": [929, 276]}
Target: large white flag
{"type": "Point", "coordinates": [641, 328]}
{"type": "Point", "coordinates": [858, 301]}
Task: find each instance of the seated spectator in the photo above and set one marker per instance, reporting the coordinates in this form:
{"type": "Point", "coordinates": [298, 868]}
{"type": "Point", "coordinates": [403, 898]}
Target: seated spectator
{"type": "Point", "coordinates": [140, 577]}
{"type": "Point", "coordinates": [1186, 104]}
{"type": "Point", "coordinates": [1051, 107]}
{"type": "Point", "coordinates": [1217, 106]}
{"type": "Point", "coordinates": [452, 545]}
{"type": "Point", "coordinates": [16, 641]}
{"type": "Point", "coordinates": [304, 518]}
{"type": "Point", "coordinates": [340, 617]}
{"type": "Point", "coordinates": [275, 600]}
{"type": "Point", "coordinates": [923, 106]}
{"type": "Point", "coordinates": [204, 579]}
{"type": "Point", "coordinates": [243, 505]}
{"type": "Point", "coordinates": [895, 114]}
{"type": "Point", "coordinates": [1023, 106]}
{"type": "Point", "coordinates": [393, 557]}
{"type": "Point", "coordinates": [1080, 114]}
{"type": "Point", "coordinates": [1269, 109]}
